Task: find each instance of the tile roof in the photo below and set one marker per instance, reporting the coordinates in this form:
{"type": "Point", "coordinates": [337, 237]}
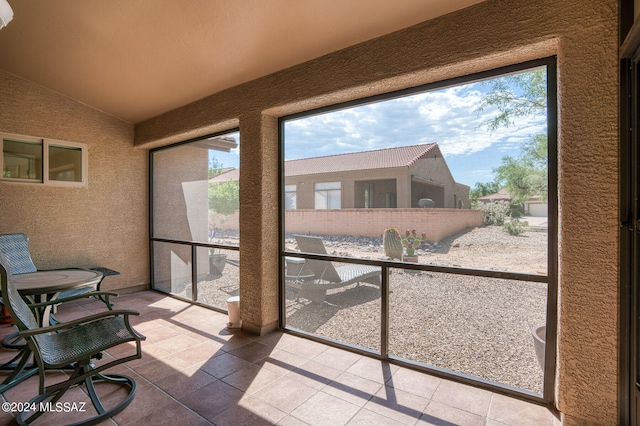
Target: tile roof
{"type": "Point", "coordinates": [403, 156]}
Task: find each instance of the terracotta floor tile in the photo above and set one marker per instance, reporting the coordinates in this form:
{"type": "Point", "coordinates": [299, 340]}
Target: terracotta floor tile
{"type": "Point", "coordinates": [279, 339]}
{"type": "Point", "coordinates": [414, 382]}
{"type": "Point", "coordinates": [160, 368]}
{"type": "Point", "coordinates": [224, 365]}
{"type": "Point", "coordinates": [355, 389]}
{"type": "Point", "coordinates": [307, 348]}
{"type": "Point", "coordinates": [170, 414]}
{"type": "Point", "coordinates": [399, 405]}
{"type": "Point", "coordinates": [285, 394]}
{"type": "Point", "coordinates": [516, 412]}
{"type": "Point", "coordinates": [440, 414]}
{"type": "Point", "coordinates": [184, 382]}
{"type": "Point", "coordinates": [252, 352]}
{"type": "Point", "coordinates": [249, 411]}
{"type": "Point", "coordinates": [200, 353]}
{"type": "Point", "coordinates": [314, 374]}
{"type": "Point", "coordinates": [252, 378]}
{"type": "Point", "coordinates": [337, 358]}
{"type": "Point", "coordinates": [147, 399]}
{"type": "Point", "coordinates": [281, 361]}
{"type": "Point", "coordinates": [368, 418]}
{"type": "Point", "coordinates": [463, 397]}
{"type": "Point", "coordinates": [372, 369]}
{"type": "Point", "coordinates": [324, 409]}
{"type": "Point", "coordinates": [212, 399]}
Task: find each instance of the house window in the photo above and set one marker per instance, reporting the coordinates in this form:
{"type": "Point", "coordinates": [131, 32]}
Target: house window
{"type": "Point", "coordinates": [327, 195]}
{"type": "Point", "coordinates": [290, 197]}
{"type": "Point", "coordinates": [43, 161]}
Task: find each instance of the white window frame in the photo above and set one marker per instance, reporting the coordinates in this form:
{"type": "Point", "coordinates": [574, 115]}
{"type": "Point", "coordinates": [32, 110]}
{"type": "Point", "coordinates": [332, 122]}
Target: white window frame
{"type": "Point", "coordinates": [326, 189]}
{"type": "Point", "coordinates": [45, 144]}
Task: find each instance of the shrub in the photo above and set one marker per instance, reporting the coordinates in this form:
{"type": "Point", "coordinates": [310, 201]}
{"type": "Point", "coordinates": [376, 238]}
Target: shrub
{"type": "Point", "coordinates": [494, 213]}
{"type": "Point", "coordinates": [515, 226]}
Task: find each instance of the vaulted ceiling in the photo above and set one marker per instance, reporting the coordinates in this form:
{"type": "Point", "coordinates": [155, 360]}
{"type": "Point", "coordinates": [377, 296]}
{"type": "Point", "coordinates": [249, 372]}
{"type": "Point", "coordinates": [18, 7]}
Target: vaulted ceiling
{"type": "Point", "coordinates": [135, 59]}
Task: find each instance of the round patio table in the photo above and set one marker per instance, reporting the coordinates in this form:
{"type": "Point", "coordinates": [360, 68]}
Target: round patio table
{"type": "Point", "coordinates": [49, 283]}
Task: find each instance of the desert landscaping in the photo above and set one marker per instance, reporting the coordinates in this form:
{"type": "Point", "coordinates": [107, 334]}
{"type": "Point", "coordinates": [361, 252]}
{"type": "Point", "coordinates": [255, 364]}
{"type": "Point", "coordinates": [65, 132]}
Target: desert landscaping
{"type": "Point", "coordinates": [472, 325]}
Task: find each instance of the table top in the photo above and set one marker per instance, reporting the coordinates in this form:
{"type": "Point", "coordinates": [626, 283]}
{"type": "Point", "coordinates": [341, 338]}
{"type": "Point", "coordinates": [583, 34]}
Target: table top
{"type": "Point", "coordinates": [55, 280]}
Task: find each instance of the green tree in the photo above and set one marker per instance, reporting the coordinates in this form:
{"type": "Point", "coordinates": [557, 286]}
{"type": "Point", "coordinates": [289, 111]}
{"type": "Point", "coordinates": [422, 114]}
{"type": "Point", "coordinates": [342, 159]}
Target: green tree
{"type": "Point", "coordinates": [526, 175]}
{"type": "Point", "coordinates": [482, 189]}
{"type": "Point", "coordinates": [520, 95]}
{"type": "Point", "coordinates": [224, 197]}
{"type": "Point", "coordinates": [215, 167]}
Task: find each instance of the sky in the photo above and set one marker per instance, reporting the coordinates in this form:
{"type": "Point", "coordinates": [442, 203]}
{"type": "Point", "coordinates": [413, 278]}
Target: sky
{"type": "Point", "coordinates": [448, 116]}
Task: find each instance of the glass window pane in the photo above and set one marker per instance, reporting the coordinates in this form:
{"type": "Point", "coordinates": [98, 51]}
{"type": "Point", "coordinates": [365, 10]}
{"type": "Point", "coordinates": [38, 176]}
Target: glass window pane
{"type": "Point", "coordinates": [327, 185]}
{"type": "Point", "coordinates": [333, 199]}
{"type": "Point", "coordinates": [22, 159]}
{"type": "Point", "coordinates": [321, 200]}
{"type": "Point", "coordinates": [65, 163]}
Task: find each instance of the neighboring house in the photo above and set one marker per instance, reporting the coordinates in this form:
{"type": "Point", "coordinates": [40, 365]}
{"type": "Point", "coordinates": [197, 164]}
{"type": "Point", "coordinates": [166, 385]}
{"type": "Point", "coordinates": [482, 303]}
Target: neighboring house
{"type": "Point", "coordinates": [534, 206]}
{"type": "Point", "coordinates": [384, 178]}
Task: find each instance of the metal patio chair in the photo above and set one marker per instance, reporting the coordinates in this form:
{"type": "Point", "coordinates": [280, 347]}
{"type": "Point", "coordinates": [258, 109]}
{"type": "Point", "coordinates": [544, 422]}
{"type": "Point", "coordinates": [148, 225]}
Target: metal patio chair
{"type": "Point", "coordinates": [327, 276]}
{"type": "Point", "coordinates": [71, 344]}
{"type": "Point", "coordinates": [16, 248]}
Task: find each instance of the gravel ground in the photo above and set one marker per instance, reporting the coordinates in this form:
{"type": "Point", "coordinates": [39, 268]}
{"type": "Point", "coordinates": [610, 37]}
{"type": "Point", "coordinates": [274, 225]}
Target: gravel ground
{"type": "Point", "coordinates": [476, 326]}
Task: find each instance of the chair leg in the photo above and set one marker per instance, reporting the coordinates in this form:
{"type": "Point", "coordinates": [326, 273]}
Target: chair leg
{"type": "Point", "coordinates": [50, 397]}
{"type": "Point", "coordinates": [20, 371]}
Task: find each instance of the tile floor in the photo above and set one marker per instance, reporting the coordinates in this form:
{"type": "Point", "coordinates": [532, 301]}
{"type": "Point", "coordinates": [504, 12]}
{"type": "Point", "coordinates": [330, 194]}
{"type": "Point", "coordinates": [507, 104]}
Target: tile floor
{"type": "Point", "coordinates": [194, 371]}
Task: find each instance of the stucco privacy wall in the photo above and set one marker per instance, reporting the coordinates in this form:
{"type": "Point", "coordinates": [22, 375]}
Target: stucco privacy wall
{"type": "Point", "coordinates": [103, 224]}
{"type": "Point", "coordinates": [583, 35]}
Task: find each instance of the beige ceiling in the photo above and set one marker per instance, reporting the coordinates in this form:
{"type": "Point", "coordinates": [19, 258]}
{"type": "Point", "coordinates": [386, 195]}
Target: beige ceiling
{"type": "Point", "coordinates": [135, 59]}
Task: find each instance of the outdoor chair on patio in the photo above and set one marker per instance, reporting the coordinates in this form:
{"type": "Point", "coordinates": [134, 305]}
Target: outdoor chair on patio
{"type": "Point", "coordinates": [71, 344]}
{"type": "Point", "coordinates": [327, 276]}
{"type": "Point", "coordinates": [16, 248]}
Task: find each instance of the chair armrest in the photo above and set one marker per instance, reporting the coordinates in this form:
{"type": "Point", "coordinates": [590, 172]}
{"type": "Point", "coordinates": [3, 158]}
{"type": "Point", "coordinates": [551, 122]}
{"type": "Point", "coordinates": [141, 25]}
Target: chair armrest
{"type": "Point", "coordinates": [79, 321]}
{"type": "Point", "coordinates": [67, 299]}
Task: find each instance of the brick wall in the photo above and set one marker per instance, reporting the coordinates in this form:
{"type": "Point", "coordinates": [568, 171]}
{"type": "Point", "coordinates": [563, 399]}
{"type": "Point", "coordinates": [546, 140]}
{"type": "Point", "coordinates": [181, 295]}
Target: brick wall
{"type": "Point", "coordinates": [437, 223]}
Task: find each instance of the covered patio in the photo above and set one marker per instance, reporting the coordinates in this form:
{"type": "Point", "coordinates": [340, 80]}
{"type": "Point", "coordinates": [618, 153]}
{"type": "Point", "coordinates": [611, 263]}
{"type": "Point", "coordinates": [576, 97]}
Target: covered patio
{"type": "Point", "coordinates": [119, 90]}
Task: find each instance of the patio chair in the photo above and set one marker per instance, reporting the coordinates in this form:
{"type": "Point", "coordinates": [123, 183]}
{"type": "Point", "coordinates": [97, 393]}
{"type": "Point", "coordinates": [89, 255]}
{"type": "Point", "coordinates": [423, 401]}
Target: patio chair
{"type": "Point", "coordinates": [327, 276]}
{"type": "Point", "coordinates": [16, 248]}
{"type": "Point", "coordinates": [71, 344]}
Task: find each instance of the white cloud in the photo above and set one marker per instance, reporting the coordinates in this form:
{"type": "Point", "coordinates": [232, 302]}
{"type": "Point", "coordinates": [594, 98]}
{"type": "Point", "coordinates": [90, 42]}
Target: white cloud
{"type": "Point", "coordinates": [447, 116]}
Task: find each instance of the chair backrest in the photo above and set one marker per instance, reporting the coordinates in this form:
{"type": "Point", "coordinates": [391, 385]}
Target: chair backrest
{"type": "Point", "coordinates": [16, 249]}
{"type": "Point", "coordinates": [18, 309]}
{"type": "Point", "coordinates": [322, 269]}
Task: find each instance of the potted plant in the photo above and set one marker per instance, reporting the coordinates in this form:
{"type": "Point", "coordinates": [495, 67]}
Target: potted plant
{"type": "Point", "coordinates": [217, 261]}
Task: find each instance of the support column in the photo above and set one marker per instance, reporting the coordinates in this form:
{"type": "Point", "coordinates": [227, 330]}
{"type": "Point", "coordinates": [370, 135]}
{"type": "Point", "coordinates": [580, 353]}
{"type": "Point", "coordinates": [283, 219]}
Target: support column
{"type": "Point", "coordinates": [259, 248]}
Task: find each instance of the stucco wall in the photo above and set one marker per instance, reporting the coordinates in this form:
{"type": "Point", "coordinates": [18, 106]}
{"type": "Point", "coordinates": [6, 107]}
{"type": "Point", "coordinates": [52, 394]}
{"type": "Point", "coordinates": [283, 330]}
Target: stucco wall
{"type": "Point", "coordinates": [583, 35]}
{"type": "Point", "coordinates": [104, 224]}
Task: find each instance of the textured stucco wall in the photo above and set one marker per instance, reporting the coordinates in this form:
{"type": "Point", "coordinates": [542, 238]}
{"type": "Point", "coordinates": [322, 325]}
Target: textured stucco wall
{"type": "Point", "coordinates": [583, 35]}
{"type": "Point", "coordinates": [104, 224]}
